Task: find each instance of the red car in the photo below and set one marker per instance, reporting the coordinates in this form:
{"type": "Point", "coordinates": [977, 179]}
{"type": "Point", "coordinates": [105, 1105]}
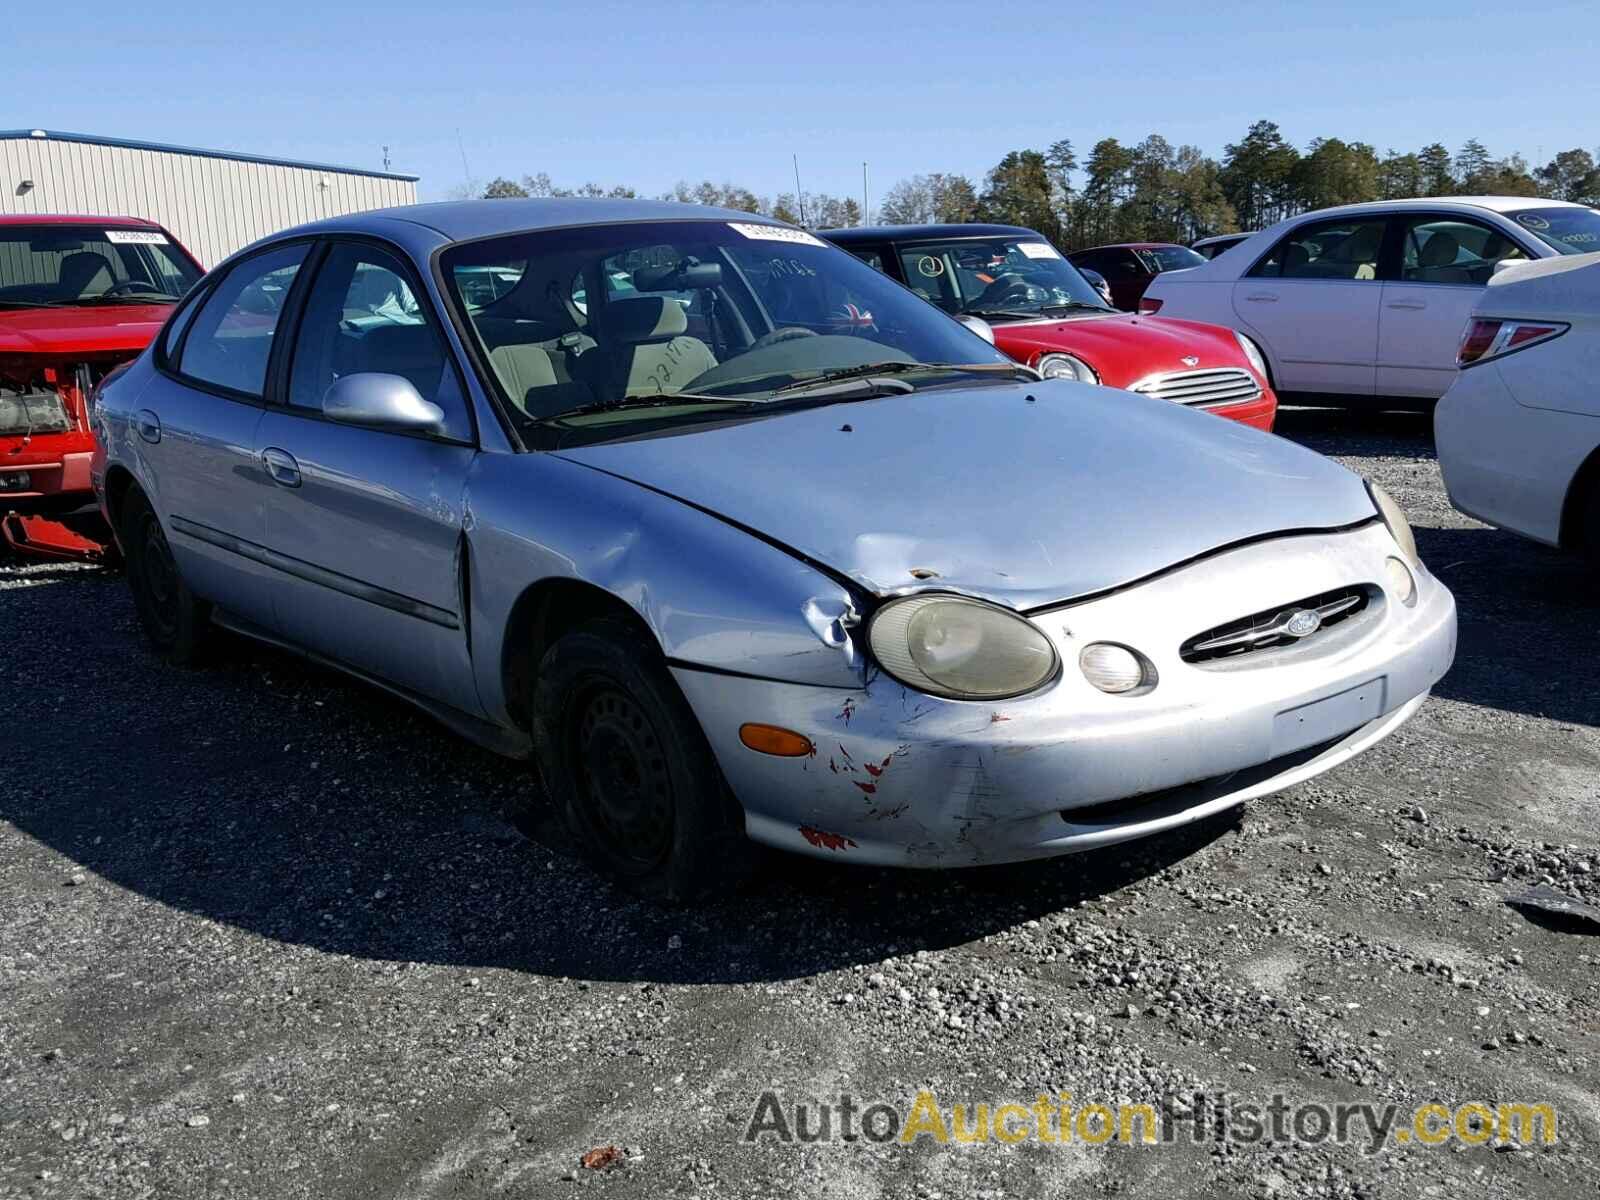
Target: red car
{"type": "Point", "coordinates": [78, 296]}
{"type": "Point", "coordinates": [1045, 314]}
{"type": "Point", "coordinates": [1130, 267]}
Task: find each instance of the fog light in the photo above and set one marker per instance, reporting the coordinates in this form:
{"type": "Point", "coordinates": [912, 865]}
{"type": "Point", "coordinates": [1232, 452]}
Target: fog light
{"type": "Point", "coordinates": [1402, 586]}
{"type": "Point", "coordinates": [1115, 669]}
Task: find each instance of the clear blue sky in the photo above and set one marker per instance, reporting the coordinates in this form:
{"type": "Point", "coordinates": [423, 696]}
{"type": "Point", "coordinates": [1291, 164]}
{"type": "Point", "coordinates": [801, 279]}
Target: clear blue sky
{"type": "Point", "coordinates": [647, 93]}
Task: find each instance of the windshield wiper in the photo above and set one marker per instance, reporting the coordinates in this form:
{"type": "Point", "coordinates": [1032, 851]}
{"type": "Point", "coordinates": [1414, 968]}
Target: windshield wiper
{"type": "Point", "coordinates": [1074, 306]}
{"type": "Point", "coordinates": [34, 304]}
{"type": "Point", "coordinates": [659, 400]}
{"type": "Point", "coordinates": [125, 298]}
{"type": "Point", "coordinates": [1002, 314]}
{"type": "Point", "coordinates": [866, 373]}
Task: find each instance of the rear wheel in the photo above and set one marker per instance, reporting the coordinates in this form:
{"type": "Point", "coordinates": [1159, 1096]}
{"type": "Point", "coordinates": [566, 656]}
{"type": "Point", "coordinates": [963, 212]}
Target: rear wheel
{"type": "Point", "coordinates": [626, 763]}
{"type": "Point", "coordinates": [174, 620]}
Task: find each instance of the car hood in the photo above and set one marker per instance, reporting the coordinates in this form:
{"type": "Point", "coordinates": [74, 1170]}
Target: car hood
{"type": "Point", "coordinates": [80, 330]}
{"type": "Point", "coordinates": [1125, 348]}
{"type": "Point", "coordinates": [1023, 494]}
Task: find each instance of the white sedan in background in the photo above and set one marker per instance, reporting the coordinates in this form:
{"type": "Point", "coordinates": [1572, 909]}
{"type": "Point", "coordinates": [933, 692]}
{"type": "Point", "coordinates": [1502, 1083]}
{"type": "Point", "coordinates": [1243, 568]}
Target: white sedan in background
{"type": "Point", "coordinates": [1364, 304]}
{"type": "Point", "coordinates": [1518, 432]}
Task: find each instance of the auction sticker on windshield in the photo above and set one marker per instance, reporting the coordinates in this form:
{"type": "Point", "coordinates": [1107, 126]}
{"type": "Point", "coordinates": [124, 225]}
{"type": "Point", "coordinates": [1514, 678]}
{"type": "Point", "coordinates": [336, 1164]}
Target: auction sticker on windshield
{"type": "Point", "coordinates": [135, 237]}
{"type": "Point", "coordinates": [775, 233]}
{"type": "Point", "coordinates": [1038, 250]}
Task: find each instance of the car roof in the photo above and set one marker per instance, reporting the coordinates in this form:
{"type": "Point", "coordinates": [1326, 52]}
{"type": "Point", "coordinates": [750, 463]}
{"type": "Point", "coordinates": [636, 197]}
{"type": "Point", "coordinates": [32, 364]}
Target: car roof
{"type": "Point", "coordinates": [1130, 246]}
{"type": "Point", "coordinates": [464, 220]}
{"type": "Point", "coordinates": [1495, 204]}
{"type": "Point", "coordinates": [71, 219]}
{"type": "Point", "coordinates": [907, 233]}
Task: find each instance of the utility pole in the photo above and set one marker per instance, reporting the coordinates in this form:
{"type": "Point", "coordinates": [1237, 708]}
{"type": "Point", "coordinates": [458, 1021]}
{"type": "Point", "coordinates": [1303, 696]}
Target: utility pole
{"type": "Point", "coordinates": [386, 158]}
{"type": "Point", "coordinates": [866, 205]}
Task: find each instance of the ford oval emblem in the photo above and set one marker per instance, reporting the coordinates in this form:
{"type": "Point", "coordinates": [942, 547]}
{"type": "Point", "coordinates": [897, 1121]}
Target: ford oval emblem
{"type": "Point", "coordinates": [1189, 360]}
{"type": "Point", "coordinates": [1303, 622]}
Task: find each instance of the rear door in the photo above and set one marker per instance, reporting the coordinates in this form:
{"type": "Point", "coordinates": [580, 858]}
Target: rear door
{"type": "Point", "coordinates": [1441, 263]}
{"type": "Point", "coordinates": [196, 430]}
{"type": "Point", "coordinates": [1313, 302]}
{"type": "Point", "coordinates": [367, 525]}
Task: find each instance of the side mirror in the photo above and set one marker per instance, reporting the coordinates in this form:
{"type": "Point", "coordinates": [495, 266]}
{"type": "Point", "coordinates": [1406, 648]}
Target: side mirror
{"type": "Point", "coordinates": [978, 326]}
{"type": "Point", "coordinates": [381, 401]}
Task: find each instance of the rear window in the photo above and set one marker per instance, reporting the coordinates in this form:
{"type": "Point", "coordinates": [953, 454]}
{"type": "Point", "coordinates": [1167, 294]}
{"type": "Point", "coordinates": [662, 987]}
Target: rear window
{"type": "Point", "coordinates": [48, 266]}
{"type": "Point", "coordinates": [1567, 230]}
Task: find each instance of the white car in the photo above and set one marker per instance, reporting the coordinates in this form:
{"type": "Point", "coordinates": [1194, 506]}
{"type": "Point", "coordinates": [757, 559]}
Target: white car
{"type": "Point", "coordinates": [1519, 431]}
{"type": "Point", "coordinates": [1368, 301]}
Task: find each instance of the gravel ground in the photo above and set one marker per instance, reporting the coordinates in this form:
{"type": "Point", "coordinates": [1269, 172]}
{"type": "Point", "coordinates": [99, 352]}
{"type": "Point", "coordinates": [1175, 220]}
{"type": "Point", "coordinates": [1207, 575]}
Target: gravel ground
{"type": "Point", "coordinates": [268, 933]}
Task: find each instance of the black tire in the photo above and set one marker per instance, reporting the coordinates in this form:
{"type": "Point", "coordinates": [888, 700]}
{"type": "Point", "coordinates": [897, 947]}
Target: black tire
{"type": "Point", "coordinates": [628, 767]}
{"type": "Point", "coordinates": [175, 621]}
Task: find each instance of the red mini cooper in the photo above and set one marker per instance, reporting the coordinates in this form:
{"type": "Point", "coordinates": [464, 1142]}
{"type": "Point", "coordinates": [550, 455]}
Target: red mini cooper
{"type": "Point", "coordinates": [1045, 314]}
{"type": "Point", "coordinates": [78, 297]}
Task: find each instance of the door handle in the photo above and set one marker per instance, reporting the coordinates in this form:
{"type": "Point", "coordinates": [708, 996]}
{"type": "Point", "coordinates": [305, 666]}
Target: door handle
{"type": "Point", "coordinates": [1262, 297]}
{"type": "Point", "coordinates": [281, 466]}
{"type": "Point", "coordinates": [148, 425]}
{"type": "Point", "coordinates": [1408, 304]}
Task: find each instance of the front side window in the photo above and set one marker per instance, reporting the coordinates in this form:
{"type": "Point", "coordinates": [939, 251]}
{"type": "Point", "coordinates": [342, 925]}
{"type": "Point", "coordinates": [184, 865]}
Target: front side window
{"type": "Point", "coordinates": [1565, 230]}
{"type": "Point", "coordinates": [997, 278]}
{"type": "Point", "coordinates": [1346, 250]}
{"type": "Point", "coordinates": [363, 316]}
{"type": "Point", "coordinates": [51, 266]}
{"type": "Point", "coordinates": [609, 323]}
{"type": "Point", "coordinates": [1449, 250]}
{"type": "Point", "coordinates": [230, 339]}
{"type": "Point", "coordinates": [1169, 258]}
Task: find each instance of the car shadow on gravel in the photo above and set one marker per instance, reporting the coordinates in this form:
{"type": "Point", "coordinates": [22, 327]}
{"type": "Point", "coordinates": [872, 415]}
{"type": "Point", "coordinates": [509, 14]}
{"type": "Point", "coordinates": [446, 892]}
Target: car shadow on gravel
{"type": "Point", "coordinates": [1521, 609]}
{"type": "Point", "coordinates": [285, 800]}
{"type": "Point", "coordinates": [1368, 432]}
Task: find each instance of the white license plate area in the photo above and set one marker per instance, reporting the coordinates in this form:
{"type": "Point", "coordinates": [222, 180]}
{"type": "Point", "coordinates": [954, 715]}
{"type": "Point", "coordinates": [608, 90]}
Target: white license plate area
{"type": "Point", "coordinates": [1325, 719]}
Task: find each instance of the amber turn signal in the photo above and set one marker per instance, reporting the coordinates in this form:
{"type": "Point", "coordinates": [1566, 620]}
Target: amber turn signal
{"type": "Point", "coordinates": [769, 739]}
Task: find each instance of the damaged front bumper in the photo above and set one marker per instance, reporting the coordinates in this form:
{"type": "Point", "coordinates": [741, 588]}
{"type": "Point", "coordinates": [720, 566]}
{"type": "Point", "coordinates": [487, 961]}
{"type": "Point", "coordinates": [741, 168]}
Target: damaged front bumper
{"type": "Point", "coordinates": [899, 777]}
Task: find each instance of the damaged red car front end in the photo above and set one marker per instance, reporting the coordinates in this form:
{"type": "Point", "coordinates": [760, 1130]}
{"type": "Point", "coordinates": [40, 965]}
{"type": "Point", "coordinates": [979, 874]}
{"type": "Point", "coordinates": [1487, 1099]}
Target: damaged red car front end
{"type": "Point", "coordinates": [79, 296]}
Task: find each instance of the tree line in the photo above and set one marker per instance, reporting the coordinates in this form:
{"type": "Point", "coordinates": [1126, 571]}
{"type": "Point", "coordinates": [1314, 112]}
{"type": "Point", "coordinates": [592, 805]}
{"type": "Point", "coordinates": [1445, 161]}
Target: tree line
{"type": "Point", "coordinates": [1153, 191]}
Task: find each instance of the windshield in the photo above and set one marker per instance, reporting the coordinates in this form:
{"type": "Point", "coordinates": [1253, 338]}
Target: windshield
{"type": "Point", "coordinates": [997, 278]}
{"type": "Point", "coordinates": [1170, 258]}
{"type": "Point", "coordinates": [1567, 230]}
{"type": "Point", "coordinates": [604, 327]}
{"type": "Point", "coordinates": [55, 265]}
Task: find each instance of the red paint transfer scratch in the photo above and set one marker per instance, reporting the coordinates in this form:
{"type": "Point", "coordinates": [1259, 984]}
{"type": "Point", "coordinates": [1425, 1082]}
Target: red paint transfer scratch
{"type": "Point", "coordinates": [848, 711]}
{"type": "Point", "coordinates": [868, 788]}
{"type": "Point", "coordinates": [824, 840]}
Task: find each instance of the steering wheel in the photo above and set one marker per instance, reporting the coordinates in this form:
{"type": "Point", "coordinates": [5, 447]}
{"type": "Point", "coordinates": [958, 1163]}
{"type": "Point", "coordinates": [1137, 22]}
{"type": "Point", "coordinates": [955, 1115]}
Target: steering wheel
{"type": "Point", "coordinates": [1010, 288]}
{"type": "Point", "coordinates": [787, 334]}
{"type": "Point", "coordinates": [131, 285]}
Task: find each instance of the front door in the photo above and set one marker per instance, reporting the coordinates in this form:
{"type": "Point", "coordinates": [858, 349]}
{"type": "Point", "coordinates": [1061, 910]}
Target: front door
{"type": "Point", "coordinates": [367, 525]}
{"type": "Point", "coordinates": [1444, 263]}
{"type": "Point", "coordinates": [1313, 301]}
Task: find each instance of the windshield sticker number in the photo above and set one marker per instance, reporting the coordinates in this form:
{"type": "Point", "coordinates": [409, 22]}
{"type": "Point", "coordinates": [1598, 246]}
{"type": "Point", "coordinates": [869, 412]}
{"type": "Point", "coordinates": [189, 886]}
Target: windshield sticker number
{"type": "Point", "coordinates": [135, 237]}
{"type": "Point", "coordinates": [1038, 249]}
{"type": "Point", "coordinates": [775, 233]}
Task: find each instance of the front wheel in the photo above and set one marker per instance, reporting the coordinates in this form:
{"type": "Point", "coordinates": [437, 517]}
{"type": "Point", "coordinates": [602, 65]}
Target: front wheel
{"type": "Point", "coordinates": [174, 619]}
{"type": "Point", "coordinates": [626, 763]}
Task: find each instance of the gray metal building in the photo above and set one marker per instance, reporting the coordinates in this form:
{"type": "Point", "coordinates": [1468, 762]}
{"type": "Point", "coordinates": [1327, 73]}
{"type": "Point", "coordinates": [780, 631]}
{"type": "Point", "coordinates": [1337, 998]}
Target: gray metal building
{"type": "Point", "coordinates": [212, 201]}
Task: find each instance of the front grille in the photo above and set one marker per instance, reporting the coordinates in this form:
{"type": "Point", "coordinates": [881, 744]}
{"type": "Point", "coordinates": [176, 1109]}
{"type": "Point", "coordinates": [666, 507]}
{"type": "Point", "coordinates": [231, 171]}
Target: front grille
{"type": "Point", "coordinates": [1219, 385]}
{"type": "Point", "coordinates": [1271, 628]}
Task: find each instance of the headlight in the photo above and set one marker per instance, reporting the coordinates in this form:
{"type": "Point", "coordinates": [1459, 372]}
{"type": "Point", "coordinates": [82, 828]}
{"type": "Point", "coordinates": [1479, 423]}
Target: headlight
{"type": "Point", "coordinates": [1253, 355]}
{"type": "Point", "coordinates": [1066, 366]}
{"type": "Point", "coordinates": [958, 648]}
{"type": "Point", "coordinates": [1395, 519]}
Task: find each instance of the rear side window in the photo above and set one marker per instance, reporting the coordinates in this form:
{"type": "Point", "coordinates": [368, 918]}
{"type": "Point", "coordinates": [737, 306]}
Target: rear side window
{"type": "Point", "coordinates": [231, 339]}
{"type": "Point", "coordinates": [1450, 250]}
{"type": "Point", "coordinates": [1346, 250]}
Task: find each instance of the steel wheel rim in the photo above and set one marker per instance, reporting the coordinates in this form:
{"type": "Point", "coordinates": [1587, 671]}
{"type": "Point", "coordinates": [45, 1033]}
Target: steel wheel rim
{"type": "Point", "coordinates": [621, 770]}
{"type": "Point", "coordinates": [159, 576]}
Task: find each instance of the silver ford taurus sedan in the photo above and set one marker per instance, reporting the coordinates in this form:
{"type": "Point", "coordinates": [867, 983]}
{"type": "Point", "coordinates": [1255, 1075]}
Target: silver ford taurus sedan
{"type": "Point", "coordinates": [739, 540]}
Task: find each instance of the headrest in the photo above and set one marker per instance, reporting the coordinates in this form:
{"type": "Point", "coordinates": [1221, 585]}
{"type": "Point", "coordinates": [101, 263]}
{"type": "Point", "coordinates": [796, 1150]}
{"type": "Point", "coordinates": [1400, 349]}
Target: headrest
{"type": "Point", "coordinates": [1440, 250]}
{"type": "Point", "coordinates": [642, 319]}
